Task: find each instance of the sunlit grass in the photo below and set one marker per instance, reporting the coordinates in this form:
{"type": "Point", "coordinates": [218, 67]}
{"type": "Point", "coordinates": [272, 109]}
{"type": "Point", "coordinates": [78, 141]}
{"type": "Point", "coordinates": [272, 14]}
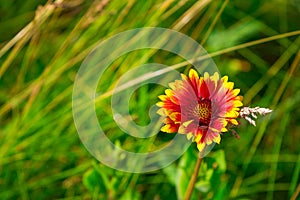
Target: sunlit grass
{"type": "Point", "coordinates": [41, 155]}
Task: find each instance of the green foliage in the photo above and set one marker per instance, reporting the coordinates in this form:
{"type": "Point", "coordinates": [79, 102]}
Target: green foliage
{"type": "Point", "coordinates": [209, 184]}
{"type": "Point", "coordinates": [42, 46]}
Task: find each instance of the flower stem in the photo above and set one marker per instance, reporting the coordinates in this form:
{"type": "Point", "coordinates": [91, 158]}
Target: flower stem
{"type": "Point", "coordinates": [193, 180]}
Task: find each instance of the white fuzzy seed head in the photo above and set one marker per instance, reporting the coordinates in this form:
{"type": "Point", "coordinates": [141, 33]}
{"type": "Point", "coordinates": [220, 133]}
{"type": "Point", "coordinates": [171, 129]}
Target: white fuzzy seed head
{"type": "Point", "coordinates": [247, 113]}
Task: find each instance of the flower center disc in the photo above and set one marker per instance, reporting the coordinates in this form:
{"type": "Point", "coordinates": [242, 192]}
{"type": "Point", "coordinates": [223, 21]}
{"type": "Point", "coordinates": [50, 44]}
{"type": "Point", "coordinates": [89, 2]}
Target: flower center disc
{"type": "Point", "coordinates": [203, 112]}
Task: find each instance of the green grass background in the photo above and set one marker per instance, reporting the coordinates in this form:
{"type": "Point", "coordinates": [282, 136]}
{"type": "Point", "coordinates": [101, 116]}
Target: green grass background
{"type": "Point", "coordinates": [256, 43]}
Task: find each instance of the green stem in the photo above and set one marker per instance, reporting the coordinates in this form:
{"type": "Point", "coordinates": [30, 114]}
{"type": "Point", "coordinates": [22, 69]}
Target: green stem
{"type": "Point", "coordinates": [193, 180]}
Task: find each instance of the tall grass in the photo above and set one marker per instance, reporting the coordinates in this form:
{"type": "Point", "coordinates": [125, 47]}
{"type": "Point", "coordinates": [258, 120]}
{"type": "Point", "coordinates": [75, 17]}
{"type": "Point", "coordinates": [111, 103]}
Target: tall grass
{"type": "Point", "coordinates": [43, 44]}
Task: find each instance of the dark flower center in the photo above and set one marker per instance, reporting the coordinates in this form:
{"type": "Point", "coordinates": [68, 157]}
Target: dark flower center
{"type": "Point", "coordinates": [203, 111]}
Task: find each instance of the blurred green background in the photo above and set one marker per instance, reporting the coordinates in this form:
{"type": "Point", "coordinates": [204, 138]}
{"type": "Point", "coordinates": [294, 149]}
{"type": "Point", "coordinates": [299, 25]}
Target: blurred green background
{"type": "Point", "coordinates": [42, 46]}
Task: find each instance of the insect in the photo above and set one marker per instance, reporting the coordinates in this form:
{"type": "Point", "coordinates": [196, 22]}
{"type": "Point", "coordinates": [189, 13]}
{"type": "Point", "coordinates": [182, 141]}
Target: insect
{"type": "Point", "coordinates": [235, 134]}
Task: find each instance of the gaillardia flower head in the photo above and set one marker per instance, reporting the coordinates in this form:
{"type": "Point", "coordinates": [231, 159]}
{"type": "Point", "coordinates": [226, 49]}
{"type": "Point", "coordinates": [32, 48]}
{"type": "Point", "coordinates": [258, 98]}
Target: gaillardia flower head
{"type": "Point", "coordinates": [200, 107]}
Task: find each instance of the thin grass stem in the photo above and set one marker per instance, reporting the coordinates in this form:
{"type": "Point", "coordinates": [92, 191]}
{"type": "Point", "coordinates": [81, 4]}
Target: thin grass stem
{"type": "Point", "coordinates": [193, 180]}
